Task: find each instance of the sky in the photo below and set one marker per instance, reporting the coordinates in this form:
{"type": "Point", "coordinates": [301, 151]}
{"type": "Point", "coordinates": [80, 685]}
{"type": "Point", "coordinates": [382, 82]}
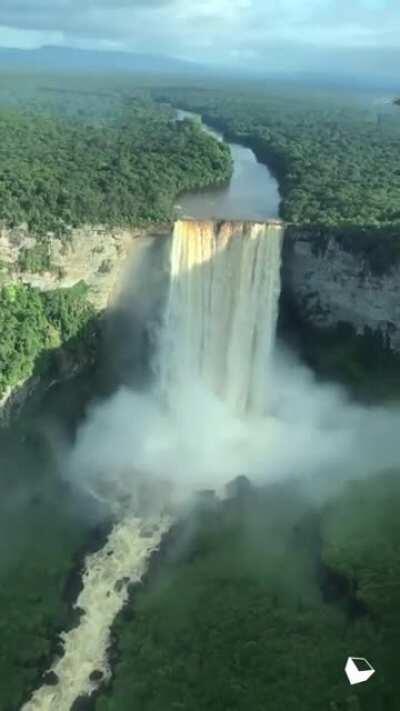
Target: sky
{"type": "Point", "coordinates": [288, 33]}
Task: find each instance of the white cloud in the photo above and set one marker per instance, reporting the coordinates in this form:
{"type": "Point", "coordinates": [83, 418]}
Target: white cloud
{"type": "Point", "coordinates": [27, 39]}
{"type": "Point", "coordinates": [193, 28]}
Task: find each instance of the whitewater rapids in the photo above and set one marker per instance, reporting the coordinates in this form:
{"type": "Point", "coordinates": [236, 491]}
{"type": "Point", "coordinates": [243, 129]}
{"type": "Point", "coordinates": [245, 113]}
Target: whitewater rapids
{"type": "Point", "coordinates": [107, 575]}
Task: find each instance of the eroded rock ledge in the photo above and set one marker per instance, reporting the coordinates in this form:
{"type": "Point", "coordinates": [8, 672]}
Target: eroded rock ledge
{"type": "Point", "coordinates": [95, 255]}
{"type": "Point", "coordinates": [331, 277]}
{"type": "Point", "coordinates": [336, 277]}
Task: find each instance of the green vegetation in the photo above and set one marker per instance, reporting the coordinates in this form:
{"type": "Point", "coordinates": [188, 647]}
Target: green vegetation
{"type": "Point", "coordinates": [59, 173]}
{"type": "Point", "coordinates": [263, 606]}
{"type": "Point", "coordinates": [363, 362]}
{"type": "Point", "coordinates": [43, 529]}
{"type": "Point", "coordinates": [336, 163]}
{"type": "Point", "coordinates": [378, 247]}
{"type": "Point", "coordinates": [361, 532]}
{"type": "Point", "coordinates": [35, 323]}
{"type": "Point", "coordinates": [271, 594]}
{"type": "Point", "coordinates": [35, 259]}
{"type": "Point", "coordinates": [35, 565]}
{"type": "Point", "coordinates": [70, 157]}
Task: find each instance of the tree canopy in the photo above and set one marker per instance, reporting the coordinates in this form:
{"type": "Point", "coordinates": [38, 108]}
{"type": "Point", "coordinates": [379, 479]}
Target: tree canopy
{"type": "Point", "coordinates": [337, 161]}
{"type": "Point", "coordinates": [58, 172]}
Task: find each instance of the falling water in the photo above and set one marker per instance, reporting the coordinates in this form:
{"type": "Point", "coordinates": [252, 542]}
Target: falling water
{"type": "Point", "coordinates": [222, 309]}
{"type": "Point", "coordinates": [217, 332]}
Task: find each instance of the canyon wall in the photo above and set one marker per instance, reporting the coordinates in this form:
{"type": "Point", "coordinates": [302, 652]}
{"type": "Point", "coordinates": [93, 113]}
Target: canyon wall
{"type": "Point", "coordinates": [349, 277]}
{"type": "Point", "coordinates": [93, 254]}
{"type": "Point", "coordinates": [330, 278]}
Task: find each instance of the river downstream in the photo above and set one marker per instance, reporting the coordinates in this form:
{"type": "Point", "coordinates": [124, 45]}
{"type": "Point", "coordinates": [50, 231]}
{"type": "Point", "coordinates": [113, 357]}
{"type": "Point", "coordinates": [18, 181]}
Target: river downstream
{"type": "Point", "coordinates": [252, 193]}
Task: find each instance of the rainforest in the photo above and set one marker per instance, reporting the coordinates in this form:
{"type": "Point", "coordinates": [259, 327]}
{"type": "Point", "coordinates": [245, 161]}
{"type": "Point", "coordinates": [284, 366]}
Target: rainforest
{"type": "Point", "coordinates": [200, 478]}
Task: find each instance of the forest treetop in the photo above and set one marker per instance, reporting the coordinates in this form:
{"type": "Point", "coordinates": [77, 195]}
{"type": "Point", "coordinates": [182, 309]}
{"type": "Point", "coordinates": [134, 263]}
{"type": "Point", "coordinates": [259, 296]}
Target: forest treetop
{"type": "Point", "coordinates": [98, 149]}
{"type": "Point", "coordinates": [59, 171]}
{"type": "Point", "coordinates": [336, 157]}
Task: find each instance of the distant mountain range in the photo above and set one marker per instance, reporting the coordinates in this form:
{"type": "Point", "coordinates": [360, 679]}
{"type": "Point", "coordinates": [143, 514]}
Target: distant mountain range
{"type": "Point", "coordinates": [349, 71]}
{"type": "Point", "coordinates": [66, 59]}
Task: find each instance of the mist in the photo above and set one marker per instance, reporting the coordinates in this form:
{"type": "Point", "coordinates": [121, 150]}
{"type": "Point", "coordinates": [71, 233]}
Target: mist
{"type": "Point", "coordinates": [139, 450]}
{"type": "Point", "coordinates": [311, 431]}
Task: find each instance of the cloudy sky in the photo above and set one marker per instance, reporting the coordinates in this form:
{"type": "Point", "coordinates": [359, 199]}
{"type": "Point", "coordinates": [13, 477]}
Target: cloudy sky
{"type": "Point", "coordinates": [222, 31]}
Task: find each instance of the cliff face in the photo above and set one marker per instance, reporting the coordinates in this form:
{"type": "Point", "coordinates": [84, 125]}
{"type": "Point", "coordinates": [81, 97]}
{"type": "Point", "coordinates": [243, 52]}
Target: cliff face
{"type": "Point", "coordinates": [333, 278]}
{"type": "Point", "coordinates": [94, 255]}
{"type": "Point", "coordinates": [329, 279]}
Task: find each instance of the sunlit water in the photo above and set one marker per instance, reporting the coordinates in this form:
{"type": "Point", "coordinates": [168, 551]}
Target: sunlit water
{"type": "Point", "coordinates": [222, 311]}
{"type": "Point", "coordinates": [252, 193]}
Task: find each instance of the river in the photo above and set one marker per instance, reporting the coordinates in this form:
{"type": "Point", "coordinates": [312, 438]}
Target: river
{"type": "Point", "coordinates": [252, 193]}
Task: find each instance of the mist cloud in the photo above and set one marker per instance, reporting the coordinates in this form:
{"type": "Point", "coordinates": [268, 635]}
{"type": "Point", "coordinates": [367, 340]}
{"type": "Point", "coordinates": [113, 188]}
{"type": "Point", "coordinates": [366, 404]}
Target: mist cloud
{"type": "Point", "coordinates": [312, 432]}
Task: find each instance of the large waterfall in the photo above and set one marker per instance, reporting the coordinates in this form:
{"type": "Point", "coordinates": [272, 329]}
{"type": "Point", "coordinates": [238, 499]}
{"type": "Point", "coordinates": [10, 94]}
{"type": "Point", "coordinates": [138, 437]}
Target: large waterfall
{"type": "Point", "coordinates": [201, 425]}
{"type": "Point", "coordinates": [221, 313]}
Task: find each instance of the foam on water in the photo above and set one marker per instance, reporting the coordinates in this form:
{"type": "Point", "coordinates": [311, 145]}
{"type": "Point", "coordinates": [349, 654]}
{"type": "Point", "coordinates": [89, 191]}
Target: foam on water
{"type": "Point", "coordinates": [107, 574]}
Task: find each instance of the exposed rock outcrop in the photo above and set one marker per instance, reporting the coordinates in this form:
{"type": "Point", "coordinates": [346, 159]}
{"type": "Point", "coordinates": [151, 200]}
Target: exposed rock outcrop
{"type": "Point", "coordinates": [334, 278]}
{"type": "Point", "coordinates": [330, 277]}
{"type": "Point", "coordinates": [95, 255]}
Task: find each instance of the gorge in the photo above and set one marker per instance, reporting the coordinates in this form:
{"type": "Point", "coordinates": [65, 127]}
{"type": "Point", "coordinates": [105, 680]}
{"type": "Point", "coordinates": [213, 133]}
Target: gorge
{"type": "Point", "coordinates": [210, 356]}
{"type": "Point", "coordinates": [221, 400]}
{"type": "Point", "coordinates": [330, 278]}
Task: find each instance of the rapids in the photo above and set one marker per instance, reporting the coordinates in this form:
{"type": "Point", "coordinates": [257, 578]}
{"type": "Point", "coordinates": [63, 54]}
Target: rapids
{"type": "Point", "coordinates": [108, 573]}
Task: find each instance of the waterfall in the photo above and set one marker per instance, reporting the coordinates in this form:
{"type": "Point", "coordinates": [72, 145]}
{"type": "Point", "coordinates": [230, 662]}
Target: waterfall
{"type": "Point", "coordinates": [217, 334]}
{"type": "Point", "coordinates": [221, 312]}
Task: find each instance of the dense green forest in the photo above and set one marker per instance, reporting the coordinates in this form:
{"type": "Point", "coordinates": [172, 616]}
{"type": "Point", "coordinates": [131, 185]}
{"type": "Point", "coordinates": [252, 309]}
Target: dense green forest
{"type": "Point", "coordinates": [70, 156]}
{"type": "Point", "coordinates": [45, 531]}
{"type": "Point", "coordinates": [34, 324]}
{"type": "Point", "coordinates": [58, 172]}
{"type": "Point", "coordinates": [272, 592]}
{"type": "Point", "coordinates": [337, 162]}
{"type": "Point", "coordinates": [265, 603]}
{"type": "Point", "coordinates": [39, 544]}
{"type": "Point", "coordinates": [336, 158]}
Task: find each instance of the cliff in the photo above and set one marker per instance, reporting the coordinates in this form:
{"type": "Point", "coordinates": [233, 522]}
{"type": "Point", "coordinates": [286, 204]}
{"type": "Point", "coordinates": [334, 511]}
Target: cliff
{"type": "Point", "coordinates": [93, 255]}
{"type": "Point", "coordinates": [338, 286]}
{"type": "Point", "coordinates": [334, 277]}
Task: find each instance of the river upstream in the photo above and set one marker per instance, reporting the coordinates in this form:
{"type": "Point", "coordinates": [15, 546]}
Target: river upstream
{"type": "Point", "coordinates": [254, 262]}
{"type": "Point", "coordinates": [252, 193]}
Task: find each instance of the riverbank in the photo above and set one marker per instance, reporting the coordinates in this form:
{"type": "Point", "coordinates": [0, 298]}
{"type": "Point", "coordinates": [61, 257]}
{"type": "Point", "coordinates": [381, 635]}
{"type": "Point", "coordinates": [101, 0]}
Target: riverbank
{"type": "Point", "coordinates": [252, 193]}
